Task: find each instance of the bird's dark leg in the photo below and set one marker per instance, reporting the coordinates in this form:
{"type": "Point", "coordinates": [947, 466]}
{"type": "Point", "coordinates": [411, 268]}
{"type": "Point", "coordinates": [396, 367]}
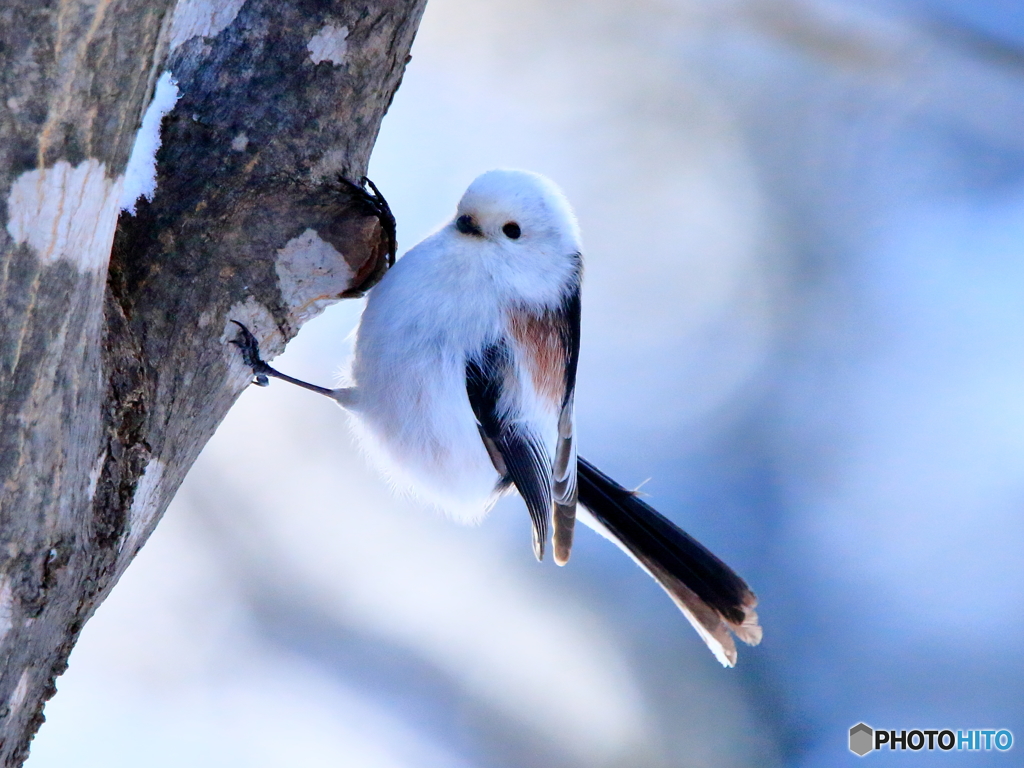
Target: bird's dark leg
{"type": "Point", "coordinates": [369, 199]}
{"type": "Point", "coordinates": [246, 342]}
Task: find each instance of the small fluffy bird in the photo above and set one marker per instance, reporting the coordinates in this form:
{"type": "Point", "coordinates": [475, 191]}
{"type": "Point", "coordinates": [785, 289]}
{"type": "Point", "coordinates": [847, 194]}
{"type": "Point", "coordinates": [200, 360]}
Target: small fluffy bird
{"type": "Point", "coordinates": [464, 377]}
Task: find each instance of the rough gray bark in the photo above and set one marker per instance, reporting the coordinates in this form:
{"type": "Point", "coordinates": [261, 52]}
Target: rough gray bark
{"type": "Point", "coordinates": [112, 380]}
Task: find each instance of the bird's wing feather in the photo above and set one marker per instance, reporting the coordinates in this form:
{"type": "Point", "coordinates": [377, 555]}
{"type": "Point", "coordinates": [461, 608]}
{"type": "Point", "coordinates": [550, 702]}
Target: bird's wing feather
{"type": "Point", "coordinates": [542, 346]}
{"type": "Point", "coordinates": [546, 344]}
{"type": "Point", "coordinates": [521, 456]}
{"type": "Point", "coordinates": [567, 322]}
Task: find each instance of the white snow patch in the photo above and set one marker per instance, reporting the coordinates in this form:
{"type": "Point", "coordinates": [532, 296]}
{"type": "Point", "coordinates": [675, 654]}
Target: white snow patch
{"type": "Point", "coordinates": [240, 142]}
{"type": "Point", "coordinates": [329, 44]}
{"type": "Point", "coordinates": [140, 175]}
{"type": "Point", "coordinates": [311, 275]}
{"type": "Point", "coordinates": [205, 18]}
{"type": "Point", "coordinates": [66, 212]}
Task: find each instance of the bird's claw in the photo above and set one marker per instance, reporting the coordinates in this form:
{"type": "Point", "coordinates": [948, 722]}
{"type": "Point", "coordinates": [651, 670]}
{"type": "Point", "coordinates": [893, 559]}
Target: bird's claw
{"type": "Point", "coordinates": [250, 349]}
{"type": "Point", "coordinates": [373, 201]}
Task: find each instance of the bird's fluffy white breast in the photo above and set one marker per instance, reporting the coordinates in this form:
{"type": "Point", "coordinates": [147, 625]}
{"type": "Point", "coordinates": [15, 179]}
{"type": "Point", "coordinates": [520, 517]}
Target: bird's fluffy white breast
{"type": "Point", "coordinates": [435, 306]}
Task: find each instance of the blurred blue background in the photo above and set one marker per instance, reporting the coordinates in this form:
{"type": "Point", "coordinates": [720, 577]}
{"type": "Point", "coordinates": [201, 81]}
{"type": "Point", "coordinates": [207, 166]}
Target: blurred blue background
{"type": "Point", "coordinates": [803, 324]}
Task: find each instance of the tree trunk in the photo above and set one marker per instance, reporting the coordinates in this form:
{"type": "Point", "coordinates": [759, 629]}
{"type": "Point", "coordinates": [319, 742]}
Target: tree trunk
{"type": "Point", "coordinates": [112, 379]}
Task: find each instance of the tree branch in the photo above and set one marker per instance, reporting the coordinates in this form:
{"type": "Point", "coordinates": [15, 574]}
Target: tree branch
{"type": "Point", "coordinates": [111, 381]}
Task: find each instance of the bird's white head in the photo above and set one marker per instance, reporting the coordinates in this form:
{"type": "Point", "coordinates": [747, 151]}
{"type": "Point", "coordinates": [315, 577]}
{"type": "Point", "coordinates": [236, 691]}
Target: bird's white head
{"type": "Point", "coordinates": [518, 210]}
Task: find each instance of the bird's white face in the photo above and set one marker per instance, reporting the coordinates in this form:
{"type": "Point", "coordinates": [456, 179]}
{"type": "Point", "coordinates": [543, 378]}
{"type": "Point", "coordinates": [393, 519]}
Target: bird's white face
{"type": "Point", "coordinates": [523, 226]}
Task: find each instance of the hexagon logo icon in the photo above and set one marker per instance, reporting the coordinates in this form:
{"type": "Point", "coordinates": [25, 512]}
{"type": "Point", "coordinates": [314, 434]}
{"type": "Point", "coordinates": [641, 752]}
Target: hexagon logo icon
{"type": "Point", "coordinates": [861, 739]}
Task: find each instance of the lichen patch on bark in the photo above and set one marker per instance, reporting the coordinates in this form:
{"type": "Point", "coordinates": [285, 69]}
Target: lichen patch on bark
{"type": "Point", "coordinates": [329, 44]}
{"type": "Point", "coordinates": [202, 18]}
{"type": "Point", "coordinates": [311, 275]}
{"type": "Point", "coordinates": [66, 212]}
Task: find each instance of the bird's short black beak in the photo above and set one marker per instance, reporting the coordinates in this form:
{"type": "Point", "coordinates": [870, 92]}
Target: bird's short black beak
{"type": "Point", "coordinates": [467, 226]}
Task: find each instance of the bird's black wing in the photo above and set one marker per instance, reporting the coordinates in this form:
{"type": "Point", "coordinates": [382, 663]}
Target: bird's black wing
{"type": "Point", "coordinates": [517, 454]}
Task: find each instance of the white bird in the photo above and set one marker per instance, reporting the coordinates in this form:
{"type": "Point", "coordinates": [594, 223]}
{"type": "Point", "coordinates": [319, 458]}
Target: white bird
{"type": "Point", "coordinates": [464, 376]}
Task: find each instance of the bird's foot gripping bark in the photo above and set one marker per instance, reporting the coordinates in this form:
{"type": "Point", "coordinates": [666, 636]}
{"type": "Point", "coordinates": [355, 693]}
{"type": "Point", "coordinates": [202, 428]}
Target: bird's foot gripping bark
{"type": "Point", "coordinates": [250, 353]}
{"type": "Point", "coordinates": [369, 198]}
{"type": "Point", "coordinates": [262, 372]}
{"type": "Point", "coordinates": [250, 348]}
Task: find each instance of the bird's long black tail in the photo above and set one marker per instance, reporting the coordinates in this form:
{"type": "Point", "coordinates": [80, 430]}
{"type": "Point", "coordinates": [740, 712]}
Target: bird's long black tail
{"type": "Point", "coordinates": [714, 599]}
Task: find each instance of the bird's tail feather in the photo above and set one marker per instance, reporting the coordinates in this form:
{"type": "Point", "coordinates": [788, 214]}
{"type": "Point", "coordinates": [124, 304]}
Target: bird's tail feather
{"type": "Point", "coordinates": [710, 594]}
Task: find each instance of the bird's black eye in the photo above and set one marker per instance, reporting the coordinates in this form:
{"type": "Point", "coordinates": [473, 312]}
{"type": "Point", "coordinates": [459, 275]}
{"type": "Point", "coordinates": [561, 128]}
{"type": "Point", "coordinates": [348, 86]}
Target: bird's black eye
{"type": "Point", "coordinates": [512, 231]}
